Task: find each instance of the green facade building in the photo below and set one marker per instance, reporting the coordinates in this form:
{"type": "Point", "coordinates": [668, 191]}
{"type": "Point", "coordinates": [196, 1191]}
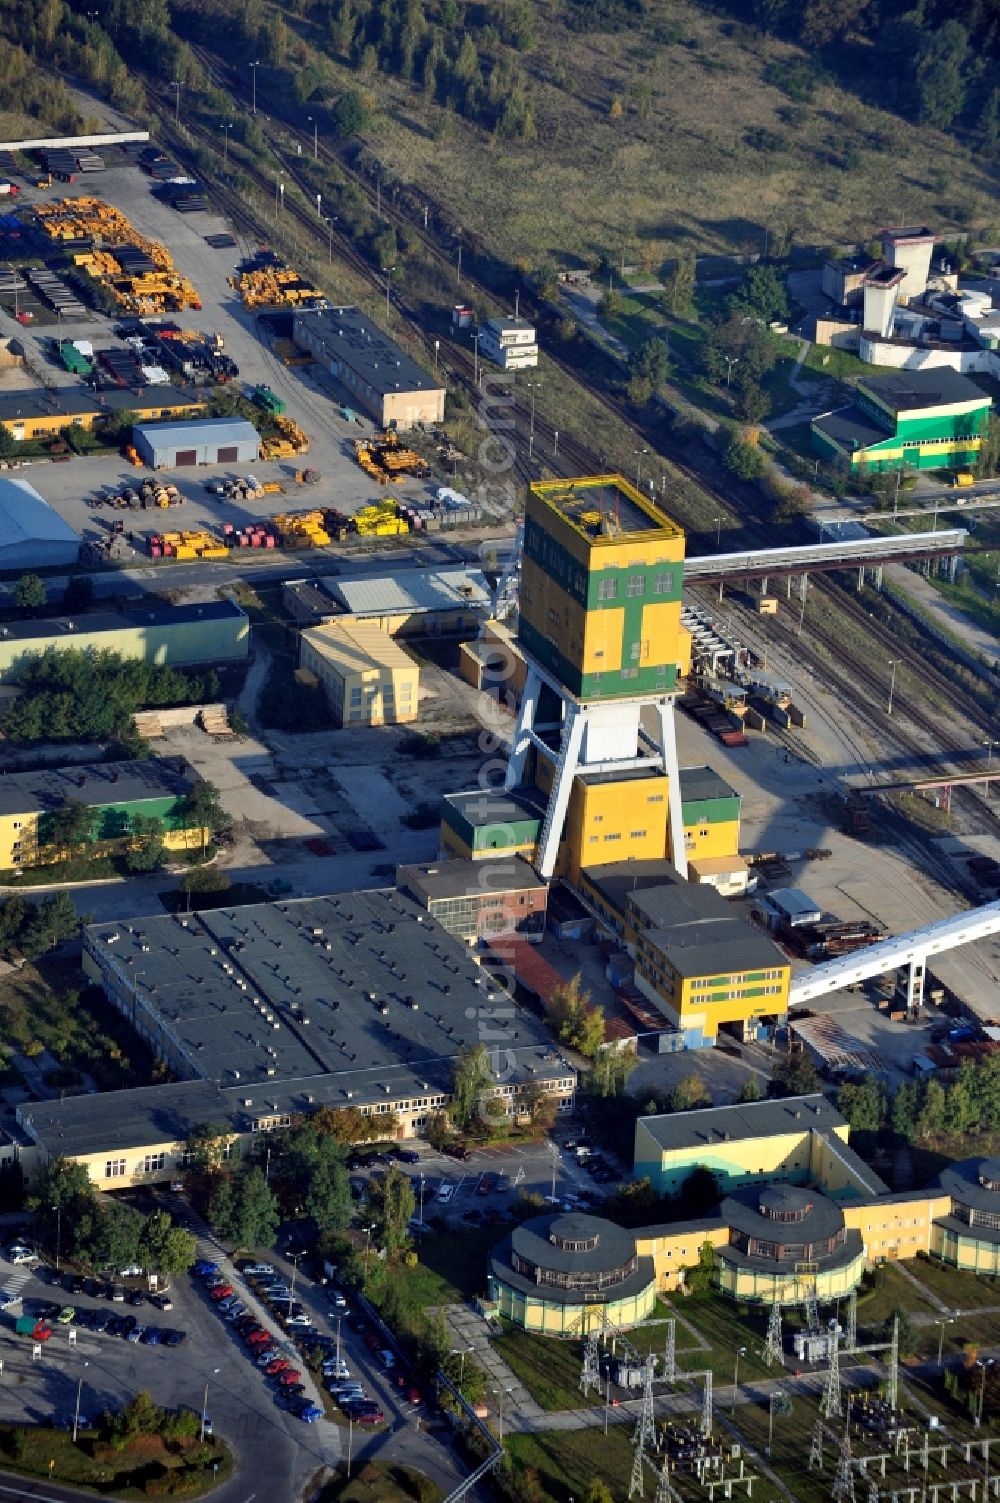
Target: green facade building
{"type": "Point", "coordinates": [924, 420]}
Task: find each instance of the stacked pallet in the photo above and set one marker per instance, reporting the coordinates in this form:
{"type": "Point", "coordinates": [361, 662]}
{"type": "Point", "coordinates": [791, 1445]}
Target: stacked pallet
{"type": "Point", "coordinates": [214, 720]}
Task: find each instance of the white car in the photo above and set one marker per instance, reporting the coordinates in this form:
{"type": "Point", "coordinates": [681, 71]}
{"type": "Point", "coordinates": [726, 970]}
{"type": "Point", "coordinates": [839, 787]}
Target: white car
{"type": "Point", "coordinates": [20, 1254]}
{"type": "Point", "coordinates": [259, 1270]}
{"type": "Point", "coordinates": [445, 1192]}
{"type": "Point", "coordinates": [299, 1322]}
{"type": "Point", "coordinates": [7, 1301]}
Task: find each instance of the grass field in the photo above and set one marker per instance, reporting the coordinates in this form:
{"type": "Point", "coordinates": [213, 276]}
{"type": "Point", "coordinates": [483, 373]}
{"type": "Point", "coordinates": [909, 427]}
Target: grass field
{"type": "Point", "coordinates": [567, 1460]}
{"type": "Point", "coordinates": [592, 184]}
{"type": "Point", "coordinates": [379, 1482]}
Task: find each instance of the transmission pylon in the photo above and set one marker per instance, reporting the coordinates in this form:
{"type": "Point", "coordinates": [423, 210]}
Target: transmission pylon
{"type": "Point", "coordinates": [893, 1388]}
{"type": "Point", "coordinates": [645, 1429]}
{"type": "Point", "coordinates": [831, 1405]}
{"type": "Point", "coordinates": [638, 1464]}
{"type": "Point", "coordinates": [670, 1352]}
{"type": "Point", "coordinates": [664, 1492]}
{"type": "Point", "coordinates": [591, 1375]}
{"type": "Point", "coordinates": [851, 1340]}
{"type": "Point", "coordinates": [873, 1493]}
{"type": "Point", "coordinates": [843, 1482]}
{"type": "Point", "coordinates": [772, 1345]}
{"type": "Point", "coordinates": [816, 1446]}
{"type": "Point", "coordinates": [706, 1405]}
{"type": "Point", "coordinates": [812, 1307]}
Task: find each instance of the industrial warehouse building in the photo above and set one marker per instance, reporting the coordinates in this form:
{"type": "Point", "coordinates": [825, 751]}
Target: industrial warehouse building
{"type": "Point", "coordinates": [412, 602]}
{"type": "Point", "coordinates": [116, 791]}
{"type": "Point", "coordinates": [390, 386]}
{"type": "Point", "coordinates": [367, 678]}
{"type": "Point", "coordinates": [177, 636]}
{"type": "Point", "coordinates": [926, 420]}
{"type": "Point", "coordinates": [41, 414]}
{"type": "Point", "coordinates": [32, 535]}
{"type": "Point", "coordinates": [167, 446]}
{"type": "Point", "coordinates": [370, 1008]}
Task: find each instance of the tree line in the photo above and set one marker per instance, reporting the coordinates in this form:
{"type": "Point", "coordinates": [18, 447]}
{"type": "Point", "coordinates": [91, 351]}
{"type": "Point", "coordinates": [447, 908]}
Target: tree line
{"type": "Point", "coordinates": [74, 1222]}
{"type": "Point", "coordinates": [91, 694]}
{"type": "Point", "coordinates": [964, 1106]}
{"type": "Point", "coordinates": [933, 61]}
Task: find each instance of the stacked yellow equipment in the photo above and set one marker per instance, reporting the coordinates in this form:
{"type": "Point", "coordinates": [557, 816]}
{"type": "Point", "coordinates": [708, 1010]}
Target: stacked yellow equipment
{"type": "Point", "coordinates": [380, 520]}
{"type": "Point", "coordinates": [194, 545]}
{"type": "Point", "coordinates": [292, 441]}
{"type": "Point", "coordinates": [273, 286]}
{"type": "Point", "coordinates": [302, 529]}
{"type": "Point", "coordinates": [158, 291]}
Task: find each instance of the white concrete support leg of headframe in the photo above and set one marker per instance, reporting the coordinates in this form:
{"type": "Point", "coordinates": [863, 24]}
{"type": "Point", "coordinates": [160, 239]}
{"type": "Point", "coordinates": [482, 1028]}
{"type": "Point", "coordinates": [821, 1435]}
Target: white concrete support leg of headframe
{"type": "Point", "coordinates": [521, 739]}
{"type": "Point", "coordinates": [675, 808]}
{"type": "Point", "coordinates": [562, 785]}
{"type": "Point", "coordinates": [915, 985]}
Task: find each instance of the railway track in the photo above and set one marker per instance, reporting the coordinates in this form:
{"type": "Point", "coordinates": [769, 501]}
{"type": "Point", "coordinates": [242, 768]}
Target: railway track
{"type": "Point", "coordinates": [536, 441]}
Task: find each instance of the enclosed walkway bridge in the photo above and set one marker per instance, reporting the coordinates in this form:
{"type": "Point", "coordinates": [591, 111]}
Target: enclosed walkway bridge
{"type": "Point", "coordinates": [863, 553]}
{"type": "Point", "coordinates": [909, 952]}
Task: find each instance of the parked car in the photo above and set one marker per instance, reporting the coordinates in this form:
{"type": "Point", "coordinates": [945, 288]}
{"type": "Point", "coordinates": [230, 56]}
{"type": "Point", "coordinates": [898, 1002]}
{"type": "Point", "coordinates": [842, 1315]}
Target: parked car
{"type": "Point", "coordinates": [137, 1333]}
{"type": "Point", "coordinates": [254, 1270]}
{"type": "Point", "coordinates": [408, 1156]}
{"type": "Point", "coordinates": [299, 1322]}
{"type": "Point", "coordinates": [174, 1338]}
{"type": "Point", "coordinates": [18, 1253]}
{"type": "Point", "coordinates": [445, 1192]}
{"type": "Point", "coordinates": [457, 1151]}
{"type": "Point", "coordinates": [387, 1358]}
{"type": "Point", "coordinates": [66, 1315]}
{"type": "Point", "coordinates": [290, 1375]}
{"type": "Point", "coordinates": [309, 1414]}
{"type": "Point", "coordinates": [161, 1301]}
{"type": "Point", "coordinates": [136, 1297]}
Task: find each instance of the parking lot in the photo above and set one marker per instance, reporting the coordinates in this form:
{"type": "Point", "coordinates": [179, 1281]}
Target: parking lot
{"type": "Point", "coordinates": [313, 399]}
{"type": "Point", "coordinates": [39, 1382]}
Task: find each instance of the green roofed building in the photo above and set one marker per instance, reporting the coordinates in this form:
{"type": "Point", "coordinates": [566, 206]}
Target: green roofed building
{"type": "Point", "coordinates": [927, 420]}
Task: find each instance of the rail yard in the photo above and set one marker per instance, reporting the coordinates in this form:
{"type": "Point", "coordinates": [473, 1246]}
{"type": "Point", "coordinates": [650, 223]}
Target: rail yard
{"type": "Point", "coordinates": [248, 457]}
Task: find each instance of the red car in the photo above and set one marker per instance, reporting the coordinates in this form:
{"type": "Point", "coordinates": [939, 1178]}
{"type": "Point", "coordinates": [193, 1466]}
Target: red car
{"type": "Point", "coordinates": [373, 1341]}
{"type": "Point", "coordinates": [369, 1417]}
{"type": "Point", "coordinates": [290, 1375]}
{"type": "Point", "coordinates": [414, 1396]}
{"type": "Point", "coordinates": [221, 1291]}
{"type": "Point", "coordinates": [279, 1365]}
{"type": "Point", "coordinates": [254, 1338]}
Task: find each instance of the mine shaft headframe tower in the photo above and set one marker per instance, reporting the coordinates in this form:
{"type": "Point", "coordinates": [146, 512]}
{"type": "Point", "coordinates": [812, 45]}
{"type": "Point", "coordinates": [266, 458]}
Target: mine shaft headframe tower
{"type": "Point", "coordinates": [600, 628]}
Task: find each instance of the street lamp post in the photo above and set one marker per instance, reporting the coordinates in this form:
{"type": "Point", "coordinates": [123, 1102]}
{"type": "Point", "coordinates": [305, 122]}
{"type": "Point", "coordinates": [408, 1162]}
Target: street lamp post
{"type": "Point", "coordinates": [175, 85]}
{"type": "Point", "coordinates": [368, 1243]}
{"type": "Point", "coordinates": [730, 360]}
{"type": "Point", "coordinates": [989, 744]}
{"type": "Point", "coordinates": [58, 1211]}
{"type": "Point", "coordinates": [475, 358]}
{"type": "Point", "coordinates": [226, 128]}
{"type": "Point", "coordinates": [315, 125]}
{"type": "Point", "coordinates": [331, 221]}
{"type": "Point", "coordinates": [741, 1351]}
{"type": "Point", "coordinates": [204, 1404]}
{"type": "Point", "coordinates": [339, 1319]}
{"type": "Point", "coordinates": [437, 348]}
{"type": "Point", "coordinates": [253, 75]}
{"type": "Point", "coordinates": [293, 1258]}
{"type": "Point", "coordinates": [718, 530]}
{"type": "Point", "coordinates": [76, 1411]}
{"type": "Point", "coordinates": [387, 272]}
{"type": "Point", "coordinates": [892, 683]}
{"type": "Point", "coordinates": [946, 1320]}
{"type": "Point", "coordinates": [555, 442]}
{"type": "Point", "coordinates": [982, 1388]}
{"type": "Point", "coordinates": [421, 1218]}
{"type": "Point", "coordinates": [500, 1393]}
{"type": "Point", "coordinates": [350, 1440]}
{"type": "Point", "coordinates": [461, 1352]}
{"type": "Point", "coordinates": [776, 1395]}
{"type": "Point", "coordinates": [638, 465]}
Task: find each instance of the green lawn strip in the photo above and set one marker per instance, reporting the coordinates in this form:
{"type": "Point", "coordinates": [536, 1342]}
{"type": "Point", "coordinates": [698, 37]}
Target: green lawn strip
{"type": "Point", "coordinates": [958, 1288]}
{"type": "Point", "coordinates": [790, 1448]}
{"type": "Point", "coordinates": [549, 1369]}
{"type": "Point", "coordinates": [892, 1291]}
{"type": "Point", "coordinates": [567, 1460]}
{"type": "Point", "coordinates": [451, 1267]}
{"type": "Point", "coordinates": [380, 1482]}
{"type": "Point", "coordinates": [95, 1464]}
{"type": "Point", "coordinates": [725, 1326]}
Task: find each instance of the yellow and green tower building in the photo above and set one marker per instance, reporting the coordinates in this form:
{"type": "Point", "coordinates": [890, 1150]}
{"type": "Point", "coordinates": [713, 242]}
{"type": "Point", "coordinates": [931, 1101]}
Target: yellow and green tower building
{"type": "Point", "coordinates": [600, 629]}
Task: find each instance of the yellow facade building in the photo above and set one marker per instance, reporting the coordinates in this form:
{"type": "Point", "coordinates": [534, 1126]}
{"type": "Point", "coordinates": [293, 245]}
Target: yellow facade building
{"type": "Point", "coordinates": [116, 792]}
{"type": "Point", "coordinates": [30, 415]}
{"type": "Point", "coordinates": [367, 677]}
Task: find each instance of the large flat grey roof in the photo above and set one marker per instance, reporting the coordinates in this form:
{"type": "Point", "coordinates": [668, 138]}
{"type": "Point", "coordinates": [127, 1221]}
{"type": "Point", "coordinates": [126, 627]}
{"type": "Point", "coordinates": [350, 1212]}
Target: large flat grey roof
{"type": "Point", "coordinates": [411, 590]}
{"type": "Point", "coordinates": [350, 336]}
{"type": "Point", "coordinates": [197, 431]}
{"type": "Point", "coordinates": [360, 996]}
{"type": "Point", "coordinates": [44, 788]}
{"type": "Point", "coordinates": [26, 517]}
{"type": "Point", "coordinates": [162, 614]}
{"type": "Point", "coordinates": [904, 391]}
{"type": "Point", "coordinates": [461, 878]}
{"type": "Point", "coordinates": [676, 1131]}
